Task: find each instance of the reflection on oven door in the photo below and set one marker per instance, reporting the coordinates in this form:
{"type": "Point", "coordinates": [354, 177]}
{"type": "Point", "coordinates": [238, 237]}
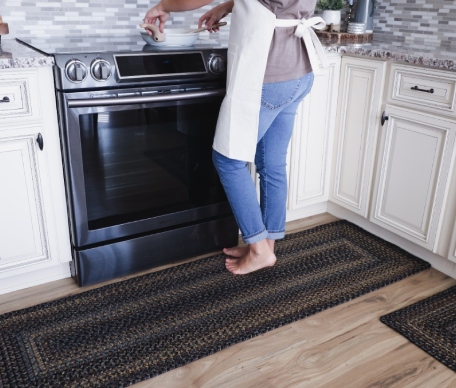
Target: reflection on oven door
{"type": "Point", "coordinates": [144, 163]}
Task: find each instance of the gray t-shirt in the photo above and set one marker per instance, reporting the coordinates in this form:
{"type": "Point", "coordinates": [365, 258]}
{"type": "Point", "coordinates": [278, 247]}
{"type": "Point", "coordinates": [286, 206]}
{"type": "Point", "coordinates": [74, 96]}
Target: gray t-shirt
{"type": "Point", "coordinates": [288, 57]}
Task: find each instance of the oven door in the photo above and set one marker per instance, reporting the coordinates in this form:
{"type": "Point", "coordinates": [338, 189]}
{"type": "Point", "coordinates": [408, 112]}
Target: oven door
{"type": "Point", "coordinates": [139, 162]}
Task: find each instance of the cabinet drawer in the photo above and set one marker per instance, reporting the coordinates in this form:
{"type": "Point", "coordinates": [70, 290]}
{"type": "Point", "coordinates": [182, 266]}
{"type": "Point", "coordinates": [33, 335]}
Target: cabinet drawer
{"type": "Point", "coordinates": [18, 93]}
{"type": "Point", "coordinates": [429, 89]}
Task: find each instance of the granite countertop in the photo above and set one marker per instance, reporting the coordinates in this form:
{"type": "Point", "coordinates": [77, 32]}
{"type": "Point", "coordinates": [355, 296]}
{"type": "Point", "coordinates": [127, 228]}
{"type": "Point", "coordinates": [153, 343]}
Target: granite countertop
{"type": "Point", "coordinates": [16, 55]}
{"type": "Point", "coordinates": [437, 56]}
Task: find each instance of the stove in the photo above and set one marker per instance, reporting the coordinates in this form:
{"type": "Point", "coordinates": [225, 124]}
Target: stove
{"type": "Point", "coordinates": [103, 62]}
{"type": "Point", "coordinates": [136, 129]}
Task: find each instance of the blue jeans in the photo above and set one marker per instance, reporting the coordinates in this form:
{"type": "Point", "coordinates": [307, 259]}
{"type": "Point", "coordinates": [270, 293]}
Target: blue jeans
{"type": "Point", "coordinates": [257, 221]}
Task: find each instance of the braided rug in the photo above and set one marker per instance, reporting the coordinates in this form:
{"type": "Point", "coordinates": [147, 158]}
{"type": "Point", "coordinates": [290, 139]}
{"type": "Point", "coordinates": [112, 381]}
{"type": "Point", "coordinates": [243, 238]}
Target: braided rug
{"type": "Point", "coordinates": [429, 324]}
{"type": "Point", "coordinates": [130, 331]}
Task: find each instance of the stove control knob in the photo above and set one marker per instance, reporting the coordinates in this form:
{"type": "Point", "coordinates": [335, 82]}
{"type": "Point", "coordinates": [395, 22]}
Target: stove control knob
{"type": "Point", "coordinates": [216, 64]}
{"type": "Point", "coordinates": [75, 71]}
{"type": "Point", "coordinates": [100, 69]}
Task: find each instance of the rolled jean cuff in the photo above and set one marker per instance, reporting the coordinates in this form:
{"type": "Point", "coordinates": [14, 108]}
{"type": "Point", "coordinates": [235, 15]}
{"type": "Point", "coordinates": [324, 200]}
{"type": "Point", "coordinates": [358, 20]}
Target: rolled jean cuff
{"type": "Point", "coordinates": [256, 237]}
{"type": "Point", "coordinates": [275, 235]}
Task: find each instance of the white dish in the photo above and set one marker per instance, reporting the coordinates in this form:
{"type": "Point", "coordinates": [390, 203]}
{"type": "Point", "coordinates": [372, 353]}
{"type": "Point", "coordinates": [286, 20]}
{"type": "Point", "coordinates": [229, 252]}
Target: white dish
{"type": "Point", "coordinates": [175, 37]}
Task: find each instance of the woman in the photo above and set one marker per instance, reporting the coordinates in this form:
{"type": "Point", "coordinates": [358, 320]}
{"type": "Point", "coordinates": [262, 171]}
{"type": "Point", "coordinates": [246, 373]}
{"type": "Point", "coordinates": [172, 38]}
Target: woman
{"type": "Point", "coordinates": [269, 73]}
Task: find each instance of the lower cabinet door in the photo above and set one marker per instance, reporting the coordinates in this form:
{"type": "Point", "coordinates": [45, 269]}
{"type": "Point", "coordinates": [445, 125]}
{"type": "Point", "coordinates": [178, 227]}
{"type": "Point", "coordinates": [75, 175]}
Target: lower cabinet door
{"type": "Point", "coordinates": [311, 144]}
{"type": "Point", "coordinates": [359, 108]}
{"type": "Point", "coordinates": [23, 237]}
{"type": "Point", "coordinates": [415, 161]}
{"type": "Point", "coordinates": [452, 251]}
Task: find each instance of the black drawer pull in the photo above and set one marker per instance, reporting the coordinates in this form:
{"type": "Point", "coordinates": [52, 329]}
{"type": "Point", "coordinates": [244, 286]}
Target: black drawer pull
{"type": "Point", "coordinates": [39, 140]}
{"type": "Point", "coordinates": [5, 99]}
{"type": "Point", "coordinates": [384, 118]}
{"type": "Point", "coordinates": [422, 90]}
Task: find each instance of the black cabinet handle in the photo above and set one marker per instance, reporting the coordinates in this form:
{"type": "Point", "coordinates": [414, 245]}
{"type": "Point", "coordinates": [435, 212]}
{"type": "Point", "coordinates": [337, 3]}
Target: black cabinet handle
{"type": "Point", "coordinates": [5, 99]}
{"type": "Point", "coordinates": [422, 90]}
{"type": "Point", "coordinates": [384, 118]}
{"type": "Point", "coordinates": [39, 140]}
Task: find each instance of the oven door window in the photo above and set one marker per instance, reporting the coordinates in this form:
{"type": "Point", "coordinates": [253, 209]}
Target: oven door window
{"type": "Point", "coordinates": [146, 161]}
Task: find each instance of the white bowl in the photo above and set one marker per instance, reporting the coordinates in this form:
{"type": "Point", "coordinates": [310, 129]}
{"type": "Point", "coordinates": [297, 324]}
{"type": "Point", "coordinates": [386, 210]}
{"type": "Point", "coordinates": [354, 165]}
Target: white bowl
{"type": "Point", "coordinates": [173, 37]}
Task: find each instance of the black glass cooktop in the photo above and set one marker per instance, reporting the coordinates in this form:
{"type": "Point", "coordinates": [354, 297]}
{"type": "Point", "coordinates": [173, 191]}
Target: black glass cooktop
{"type": "Point", "coordinates": [110, 43]}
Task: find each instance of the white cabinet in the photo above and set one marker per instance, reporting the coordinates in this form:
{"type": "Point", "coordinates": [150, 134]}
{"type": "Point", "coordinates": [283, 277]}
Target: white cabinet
{"type": "Point", "coordinates": [34, 234]}
{"type": "Point", "coordinates": [311, 144]}
{"type": "Point", "coordinates": [359, 109]}
{"type": "Point", "coordinates": [23, 239]}
{"type": "Point", "coordinates": [452, 250]}
{"type": "Point", "coordinates": [416, 155]}
{"type": "Point", "coordinates": [431, 90]}
{"type": "Point", "coordinates": [414, 165]}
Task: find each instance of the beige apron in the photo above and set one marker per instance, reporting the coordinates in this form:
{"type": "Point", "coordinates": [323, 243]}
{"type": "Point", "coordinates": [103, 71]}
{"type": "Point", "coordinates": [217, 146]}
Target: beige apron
{"type": "Point", "coordinates": [248, 48]}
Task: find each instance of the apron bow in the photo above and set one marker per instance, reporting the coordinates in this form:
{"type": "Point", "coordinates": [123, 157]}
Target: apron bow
{"type": "Point", "coordinates": [304, 30]}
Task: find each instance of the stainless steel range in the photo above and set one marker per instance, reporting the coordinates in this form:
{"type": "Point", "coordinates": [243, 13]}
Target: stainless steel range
{"type": "Point", "coordinates": [136, 125]}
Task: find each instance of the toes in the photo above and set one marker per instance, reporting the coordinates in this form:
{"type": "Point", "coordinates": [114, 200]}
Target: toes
{"type": "Point", "coordinates": [230, 268]}
{"type": "Point", "coordinates": [229, 252]}
{"type": "Point", "coordinates": [231, 262]}
{"type": "Point", "coordinates": [236, 251]}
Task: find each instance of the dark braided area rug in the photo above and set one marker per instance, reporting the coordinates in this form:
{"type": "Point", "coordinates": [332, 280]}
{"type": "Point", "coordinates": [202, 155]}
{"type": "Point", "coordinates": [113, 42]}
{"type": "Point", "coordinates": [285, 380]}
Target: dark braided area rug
{"type": "Point", "coordinates": [132, 330]}
{"type": "Point", "coordinates": [430, 324]}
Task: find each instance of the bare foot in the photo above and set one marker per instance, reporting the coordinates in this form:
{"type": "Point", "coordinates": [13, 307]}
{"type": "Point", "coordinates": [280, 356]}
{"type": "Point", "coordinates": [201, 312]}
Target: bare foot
{"type": "Point", "coordinates": [238, 252]}
{"type": "Point", "coordinates": [259, 255]}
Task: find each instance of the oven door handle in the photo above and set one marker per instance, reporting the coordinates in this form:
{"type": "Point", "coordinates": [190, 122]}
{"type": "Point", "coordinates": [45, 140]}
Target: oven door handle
{"type": "Point", "coordinates": [92, 102]}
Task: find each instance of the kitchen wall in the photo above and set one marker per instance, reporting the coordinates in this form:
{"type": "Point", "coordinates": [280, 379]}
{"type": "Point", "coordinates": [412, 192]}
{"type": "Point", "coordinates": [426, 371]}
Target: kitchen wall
{"type": "Point", "coordinates": [32, 19]}
{"type": "Point", "coordinates": [418, 22]}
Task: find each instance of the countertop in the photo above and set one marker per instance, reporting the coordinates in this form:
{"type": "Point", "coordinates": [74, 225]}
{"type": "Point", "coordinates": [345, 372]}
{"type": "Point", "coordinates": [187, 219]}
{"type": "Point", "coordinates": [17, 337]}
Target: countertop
{"type": "Point", "coordinates": [16, 55]}
{"type": "Point", "coordinates": [431, 56]}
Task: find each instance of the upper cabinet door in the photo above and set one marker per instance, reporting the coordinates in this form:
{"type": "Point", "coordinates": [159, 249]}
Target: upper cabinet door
{"type": "Point", "coordinates": [359, 110]}
{"type": "Point", "coordinates": [415, 161]}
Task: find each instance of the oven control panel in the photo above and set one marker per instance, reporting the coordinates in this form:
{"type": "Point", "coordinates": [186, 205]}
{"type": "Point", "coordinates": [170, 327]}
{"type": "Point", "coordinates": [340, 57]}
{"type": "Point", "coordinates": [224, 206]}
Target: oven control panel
{"type": "Point", "coordinates": [109, 70]}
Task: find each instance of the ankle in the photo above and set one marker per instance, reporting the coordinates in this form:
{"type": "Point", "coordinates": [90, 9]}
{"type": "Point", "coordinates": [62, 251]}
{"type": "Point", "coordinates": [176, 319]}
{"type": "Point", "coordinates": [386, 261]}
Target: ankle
{"type": "Point", "coordinates": [271, 244]}
{"type": "Point", "coordinates": [260, 248]}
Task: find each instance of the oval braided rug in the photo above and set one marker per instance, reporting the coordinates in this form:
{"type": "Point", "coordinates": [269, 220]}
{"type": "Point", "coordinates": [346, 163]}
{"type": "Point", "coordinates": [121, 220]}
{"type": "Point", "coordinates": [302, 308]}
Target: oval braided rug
{"type": "Point", "coordinates": [129, 331]}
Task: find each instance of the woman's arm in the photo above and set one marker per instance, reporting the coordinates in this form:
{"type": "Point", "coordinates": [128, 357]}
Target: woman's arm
{"type": "Point", "coordinates": [162, 10]}
{"type": "Point", "coordinates": [215, 15]}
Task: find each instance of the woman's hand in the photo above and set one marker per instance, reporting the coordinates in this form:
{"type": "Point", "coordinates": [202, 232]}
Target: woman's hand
{"type": "Point", "coordinates": [154, 14]}
{"type": "Point", "coordinates": [215, 15]}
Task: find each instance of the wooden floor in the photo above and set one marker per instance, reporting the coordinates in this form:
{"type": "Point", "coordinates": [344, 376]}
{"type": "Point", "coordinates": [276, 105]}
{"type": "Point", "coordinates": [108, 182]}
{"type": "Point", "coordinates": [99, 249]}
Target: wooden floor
{"type": "Point", "coordinates": [346, 346]}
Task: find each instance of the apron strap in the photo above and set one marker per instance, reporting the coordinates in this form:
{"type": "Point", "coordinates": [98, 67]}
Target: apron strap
{"type": "Point", "coordinates": [305, 31]}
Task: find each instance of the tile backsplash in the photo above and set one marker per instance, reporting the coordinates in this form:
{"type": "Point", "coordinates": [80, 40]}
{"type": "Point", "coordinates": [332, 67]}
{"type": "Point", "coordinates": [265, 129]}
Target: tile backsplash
{"type": "Point", "coordinates": [32, 19]}
{"type": "Point", "coordinates": [419, 22]}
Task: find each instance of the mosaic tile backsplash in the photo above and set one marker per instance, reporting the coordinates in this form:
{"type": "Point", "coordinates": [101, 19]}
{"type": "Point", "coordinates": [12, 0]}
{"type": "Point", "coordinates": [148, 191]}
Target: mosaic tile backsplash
{"type": "Point", "coordinates": [31, 19]}
{"type": "Point", "coordinates": [419, 22]}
